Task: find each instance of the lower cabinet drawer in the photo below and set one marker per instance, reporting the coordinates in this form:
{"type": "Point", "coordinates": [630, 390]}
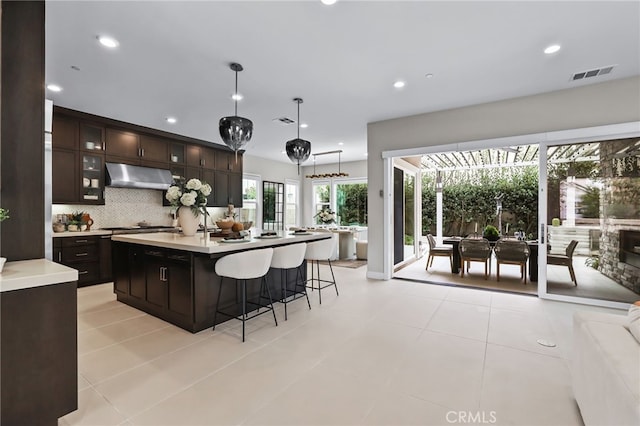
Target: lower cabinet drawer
{"type": "Point", "coordinates": [87, 272]}
{"type": "Point", "coordinates": [80, 254]}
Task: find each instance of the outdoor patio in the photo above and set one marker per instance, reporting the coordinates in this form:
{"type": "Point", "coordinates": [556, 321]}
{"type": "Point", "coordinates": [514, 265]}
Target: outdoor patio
{"type": "Point", "coordinates": [591, 283]}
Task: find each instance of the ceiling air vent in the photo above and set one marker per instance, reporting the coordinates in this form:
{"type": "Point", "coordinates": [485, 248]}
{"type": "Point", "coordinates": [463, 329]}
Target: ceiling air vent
{"type": "Point", "coordinates": [592, 73]}
{"type": "Point", "coordinates": [283, 121]}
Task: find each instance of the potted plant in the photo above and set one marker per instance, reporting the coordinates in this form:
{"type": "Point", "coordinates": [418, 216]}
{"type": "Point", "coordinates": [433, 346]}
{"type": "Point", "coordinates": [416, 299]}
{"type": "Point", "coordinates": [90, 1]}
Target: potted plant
{"type": "Point", "coordinates": [491, 233]}
{"type": "Point", "coordinates": [4, 215]}
{"type": "Point", "coordinates": [75, 221]}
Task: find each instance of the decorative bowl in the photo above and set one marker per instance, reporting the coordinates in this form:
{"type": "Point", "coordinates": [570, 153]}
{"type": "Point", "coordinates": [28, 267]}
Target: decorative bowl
{"type": "Point", "coordinates": [225, 225]}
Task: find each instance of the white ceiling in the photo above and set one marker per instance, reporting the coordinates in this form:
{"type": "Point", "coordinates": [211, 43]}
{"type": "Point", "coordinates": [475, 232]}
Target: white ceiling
{"type": "Point", "coordinates": [342, 60]}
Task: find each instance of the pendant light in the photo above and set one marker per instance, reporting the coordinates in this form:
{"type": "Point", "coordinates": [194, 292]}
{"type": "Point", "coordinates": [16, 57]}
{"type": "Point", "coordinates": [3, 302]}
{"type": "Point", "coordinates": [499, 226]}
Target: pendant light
{"type": "Point", "coordinates": [235, 131]}
{"type": "Point", "coordinates": [298, 150]}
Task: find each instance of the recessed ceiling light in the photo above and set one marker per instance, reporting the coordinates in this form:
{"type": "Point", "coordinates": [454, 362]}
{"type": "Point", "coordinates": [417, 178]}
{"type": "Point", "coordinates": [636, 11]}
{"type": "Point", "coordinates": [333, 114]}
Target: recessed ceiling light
{"type": "Point", "coordinates": [172, 120]}
{"type": "Point", "coordinates": [399, 84]}
{"type": "Point", "coordinates": [237, 97]}
{"type": "Point", "coordinates": [340, 143]}
{"type": "Point", "coordinates": [552, 49]}
{"type": "Point", "coordinates": [303, 125]}
{"type": "Point", "coordinates": [283, 152]}
{"type": "Point", "coordinates": [366, 154]}
{"type": "Point", "coordinates": [429, 75]}
{"type": "Point", "coordinates": [109, 42]}
{"type": "Point", "coordinates": [54, 87]}
{"type": "Point", "coordinates": [328, 2]}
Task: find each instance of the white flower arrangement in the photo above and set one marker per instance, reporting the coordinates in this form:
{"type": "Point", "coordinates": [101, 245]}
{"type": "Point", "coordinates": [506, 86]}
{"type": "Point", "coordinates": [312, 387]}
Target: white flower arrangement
{"type": "Point", "coordinates": [326, 216]}
{"type": "Point", "coordinates": [192, 193]}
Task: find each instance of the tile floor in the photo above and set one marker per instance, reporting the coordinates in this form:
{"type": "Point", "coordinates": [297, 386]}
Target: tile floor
{"type": "Point", "coordinates": [382, 353]}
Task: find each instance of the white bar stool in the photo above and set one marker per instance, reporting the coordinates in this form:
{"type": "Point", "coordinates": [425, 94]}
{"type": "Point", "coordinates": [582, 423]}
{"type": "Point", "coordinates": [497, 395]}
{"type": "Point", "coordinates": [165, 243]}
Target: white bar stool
{"type": "Point", "coordinates": [317, 251]}
{"type": "Point", "coordinates": [245, 266]}
{"type": "Point", "coordinates": [285, 258]}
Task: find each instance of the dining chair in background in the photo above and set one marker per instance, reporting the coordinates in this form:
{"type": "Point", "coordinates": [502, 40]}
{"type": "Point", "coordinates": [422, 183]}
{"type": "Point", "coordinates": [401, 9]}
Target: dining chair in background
{"type": "Point", "coordinates": [475, 250]}
{"type": "Point", "coordinates": [434, 250]}
{"type": "Point", "coordinates": [512, 252]}
{"type": "Point", "coordinates": [565, 260]}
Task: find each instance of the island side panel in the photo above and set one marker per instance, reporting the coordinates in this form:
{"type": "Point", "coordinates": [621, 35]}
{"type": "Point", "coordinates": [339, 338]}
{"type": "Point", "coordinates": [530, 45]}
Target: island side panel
{"type": "Point", "coordinates": [39, 354]}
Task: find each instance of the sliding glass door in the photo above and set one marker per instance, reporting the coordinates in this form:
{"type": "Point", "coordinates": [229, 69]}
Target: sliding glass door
{"type": "Point", "coordinates": [591, 222]}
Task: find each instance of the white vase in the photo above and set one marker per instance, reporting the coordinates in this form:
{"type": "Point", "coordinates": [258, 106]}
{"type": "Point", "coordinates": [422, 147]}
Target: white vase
{"type": "Point", "coordinates": [2, 261]}
{"type": "Point", "coordinates": [188, 222]}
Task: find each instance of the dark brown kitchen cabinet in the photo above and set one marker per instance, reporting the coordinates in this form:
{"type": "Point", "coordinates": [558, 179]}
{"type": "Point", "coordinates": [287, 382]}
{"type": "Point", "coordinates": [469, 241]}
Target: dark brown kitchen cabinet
{"type": "Point", "coordinates": [105, 258]}
{"type": "Point", "coordinates": [81, 253]}
{"type": "Point", "coordinates": [92, 178]}
{"type": "Point", "coordinates": [177, 153]}
{"type": "Point", "coordinates": [122, 146]}
{"type": "Point", "coordinates": [153, 150]}
{"type": "Point", "coordinates": [229, 161]}
{"type": "Point", "coordinates": [65, 133]}
{"type": "Point", "coordinates": [64, 176]}
{"type": "Point", "coordinates": [92, 137]}
{"type": "Point", "coordinates": [201, 156]}
{"type": "Point", "coordinates": [90, 255]}
{"type": "Point", "coordinates": [227, 189]}
{"type": "Point", "coordinates": [156, 280]}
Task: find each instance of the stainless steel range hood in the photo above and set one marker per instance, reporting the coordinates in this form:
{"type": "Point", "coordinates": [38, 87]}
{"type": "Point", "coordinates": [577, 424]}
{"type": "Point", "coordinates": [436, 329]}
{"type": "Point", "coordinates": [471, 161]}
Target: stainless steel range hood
{"type": "Point", "coordinates": [127, 176]}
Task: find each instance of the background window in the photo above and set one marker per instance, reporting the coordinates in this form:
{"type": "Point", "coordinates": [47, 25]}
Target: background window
{"type": "Point", "coordinates": [321, 199]}
{"type": "Point", "coordinates": [351, 203]}
{"type": "Point", "coordinates": [292, 196]}
{"type": "Point", "coordinates": [249, 211]}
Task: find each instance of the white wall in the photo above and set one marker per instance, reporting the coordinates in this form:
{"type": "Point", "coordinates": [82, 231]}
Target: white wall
{"type": "Point", "coordinates": [274, 171]}
{"type": "Point", "coordinates": [355, 169]}
{"type": "Point", "coordinates": [611, 102]}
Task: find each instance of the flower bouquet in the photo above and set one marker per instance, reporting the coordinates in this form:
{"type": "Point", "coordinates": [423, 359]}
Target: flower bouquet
{"type": "Point", "coordinates": [326, 216]}
{"type": "Point", "coordinates": [190, 195]}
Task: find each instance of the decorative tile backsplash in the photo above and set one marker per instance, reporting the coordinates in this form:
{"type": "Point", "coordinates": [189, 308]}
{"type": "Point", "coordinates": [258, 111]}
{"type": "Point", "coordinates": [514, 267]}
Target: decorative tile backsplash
{"type": "Point", "coordinates": [127, 207]}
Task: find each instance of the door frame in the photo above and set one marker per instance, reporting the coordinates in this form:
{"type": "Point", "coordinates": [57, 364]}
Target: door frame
{"type": "Point", "coordinates": [545, 139]}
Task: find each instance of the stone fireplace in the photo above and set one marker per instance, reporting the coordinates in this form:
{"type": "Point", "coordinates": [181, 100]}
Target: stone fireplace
{"type": "Point", "coordinates": [620, 212]}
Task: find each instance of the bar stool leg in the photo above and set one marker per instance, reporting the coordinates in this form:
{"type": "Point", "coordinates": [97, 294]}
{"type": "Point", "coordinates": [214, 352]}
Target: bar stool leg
{"type": "Point", "coordinates": [273, 311]}
{"type": "Point", "coordinates": [333, 277]}
{"type": "Point", "coordinates": [283, 287]}
{"type": "Point", "coordinates": [215, 314]}
{"type": "Point", "coordinates": [300, 284]}
{"type": "Point", "coordinates": [244, 305]}
{"type": "Point", "coordinates": [319, 282]}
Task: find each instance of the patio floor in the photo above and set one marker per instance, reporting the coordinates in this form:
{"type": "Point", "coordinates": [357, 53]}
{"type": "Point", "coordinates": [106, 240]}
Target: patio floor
{"type": "Point", "coordinates": [591, 283]}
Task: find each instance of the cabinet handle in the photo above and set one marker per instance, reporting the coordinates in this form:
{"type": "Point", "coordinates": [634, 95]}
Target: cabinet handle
{"type": "Point", "coordinates": [202, 162]}
{"type": "Point", "coordinates": [82, 254]}
{"type": "Point", "coordinates": [59, 256]}
{"type": "Point", "coordinates": [82, 272]}
{"type": "Point", "coordinates": [81, 241]}
{"type": "Point", "coordinates": [104, 237]}
{"type": "Point", "coordinates": [141, 152]}
{"type": "Point", "coordinates": [161, 273]}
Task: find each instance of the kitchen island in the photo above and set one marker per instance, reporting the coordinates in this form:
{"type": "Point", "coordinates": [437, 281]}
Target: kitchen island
{"type": "Point", "coordinates": [173, 278]}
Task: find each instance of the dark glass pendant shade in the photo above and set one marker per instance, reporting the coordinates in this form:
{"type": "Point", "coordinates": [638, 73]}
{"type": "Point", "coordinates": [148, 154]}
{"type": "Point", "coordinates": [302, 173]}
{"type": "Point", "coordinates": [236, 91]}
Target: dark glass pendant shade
{"type": "Point", "coordinates": [235, 131]}
{"type": "Point", "coordinates": [298, 151]}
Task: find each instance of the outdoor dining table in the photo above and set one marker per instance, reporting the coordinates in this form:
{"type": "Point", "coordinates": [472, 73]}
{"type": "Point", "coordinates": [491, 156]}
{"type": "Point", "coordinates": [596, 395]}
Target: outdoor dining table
{"type": "Point", "coordinates": [533, 256]}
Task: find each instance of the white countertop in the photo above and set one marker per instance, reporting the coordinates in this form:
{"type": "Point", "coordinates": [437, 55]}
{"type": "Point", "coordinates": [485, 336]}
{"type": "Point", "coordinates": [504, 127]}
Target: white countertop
{"type": "Point", "coordinates": [80, 233]}
{"type": "Point", "coordinates": [214, 245]}
{"type": "Point", "coordinates": [34, 273]}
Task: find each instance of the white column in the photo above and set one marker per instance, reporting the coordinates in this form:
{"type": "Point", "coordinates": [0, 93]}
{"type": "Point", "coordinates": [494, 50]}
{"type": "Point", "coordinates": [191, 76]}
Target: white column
{"type": "Point", "coordinates": [571, 202]}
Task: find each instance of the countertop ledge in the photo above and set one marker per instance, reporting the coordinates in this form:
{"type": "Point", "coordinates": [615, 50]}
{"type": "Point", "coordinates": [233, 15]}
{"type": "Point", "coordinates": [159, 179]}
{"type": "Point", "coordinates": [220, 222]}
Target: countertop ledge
{"type": "Point", "coordinates": [80, 233]}
{"type": "Point", "coordinates": [33, 273]}
{"type": "Point", "coordinates": [214, 245]}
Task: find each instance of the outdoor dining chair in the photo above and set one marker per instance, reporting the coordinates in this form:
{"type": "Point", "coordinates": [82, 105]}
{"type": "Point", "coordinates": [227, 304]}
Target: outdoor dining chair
{"type": "Point", "coordinates": [512, 252]}
{"type": "Point", "coordinates": [565, 260]}
{"type": "Point", "coordinates": [435, 250]}
{"type": "Point", "coordinates": [475, 250]}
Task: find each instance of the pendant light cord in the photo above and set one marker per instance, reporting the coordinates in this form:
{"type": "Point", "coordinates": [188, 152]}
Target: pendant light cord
{"type": "Point", "coordinates": [298, 102]}
{"type": "Point", "coordinates": [235, 96]}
